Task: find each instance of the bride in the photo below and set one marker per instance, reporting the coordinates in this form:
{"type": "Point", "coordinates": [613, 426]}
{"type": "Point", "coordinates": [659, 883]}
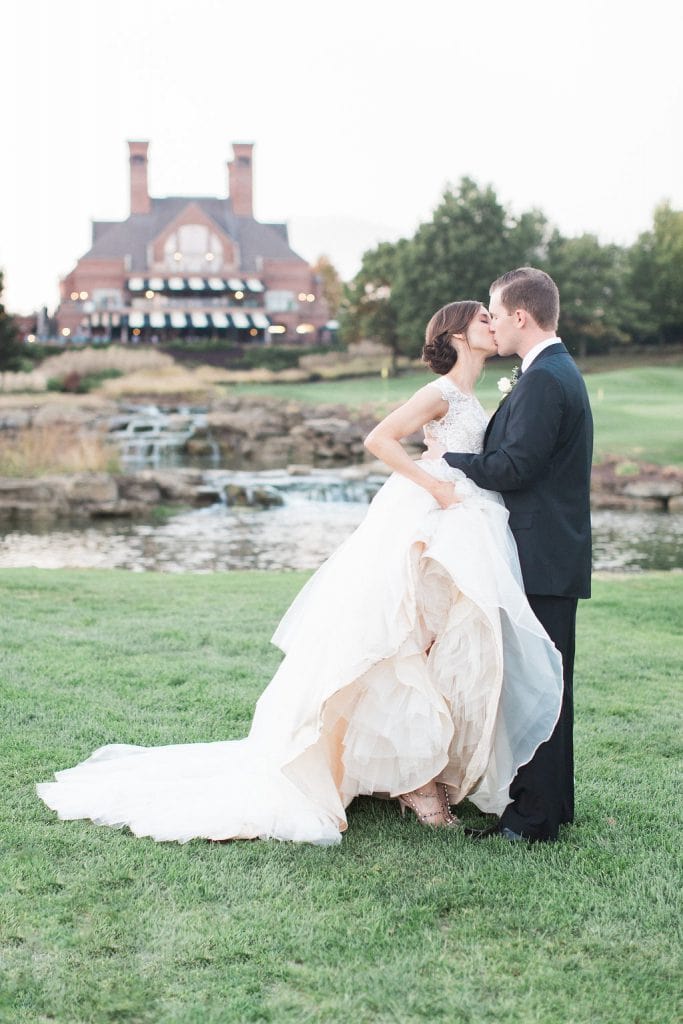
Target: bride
{"type": "Point", "coordinates": [414, 667]}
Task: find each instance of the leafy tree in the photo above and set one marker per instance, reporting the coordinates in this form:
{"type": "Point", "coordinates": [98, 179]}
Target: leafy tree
{"type": "Point", "coordinates": [369, 310]}
{"type": "Point", "coordinates": [596, 307]}
{"type": "Point", "coordinates": [332, 286]}
{"type": "Point", "coordinates": [10, 346]}
{"type": "Point", "coordinates": [656, 276]}
{"type": "Point", "coordinates": [469, 241]}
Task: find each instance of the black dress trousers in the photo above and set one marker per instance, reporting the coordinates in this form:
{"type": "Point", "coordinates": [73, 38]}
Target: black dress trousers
{"type": "Point", "coordinates": [542, 792]}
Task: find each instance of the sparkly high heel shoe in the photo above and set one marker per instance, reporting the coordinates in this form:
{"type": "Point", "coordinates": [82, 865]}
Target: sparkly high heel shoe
{"type": "Point", "coordinates": [444, 795]}
{"type": "Point", "coordinates": [435, 818]}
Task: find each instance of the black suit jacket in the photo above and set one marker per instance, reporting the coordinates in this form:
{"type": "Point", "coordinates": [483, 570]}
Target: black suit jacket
{"type": "Point", "coordinates": [537, 452]}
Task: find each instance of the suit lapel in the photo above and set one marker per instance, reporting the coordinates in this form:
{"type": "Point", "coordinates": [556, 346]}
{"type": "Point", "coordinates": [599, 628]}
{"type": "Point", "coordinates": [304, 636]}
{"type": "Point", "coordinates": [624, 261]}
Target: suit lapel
{"type": "Point", "coordinates": [551, 350]}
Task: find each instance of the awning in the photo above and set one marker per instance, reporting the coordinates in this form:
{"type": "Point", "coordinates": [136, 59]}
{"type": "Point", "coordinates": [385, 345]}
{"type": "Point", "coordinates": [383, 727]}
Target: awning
{"type": "Point", "coordinates": [176, 284]}
{"type": "Point", "coordinates": [136, 320]}
{"type": "Point", "coordinates": [197, 284]}
{"type": "Point", "coordinates": [157, 320]}
{"type": "Point", "coordinates": [136, 284]}
{"type": "Point", "coordinates": [254, 285]}
{"type": "Point", "coordinates": [216, 284]}
{"type": "Point", "coordinates": [157, 284]}
{"type": "Point", "coordinates": [235, 285]}
{"type": "Point", "coordinates": [178, 320]}
{"type": "Point", "coordinates": [199, 320]}
{"type": "Point", "coordinates": [240, 320]}
{"type": "Point", "coordinates": [220, 321]}
{"type": "Point", "coordinates": [260, 320]}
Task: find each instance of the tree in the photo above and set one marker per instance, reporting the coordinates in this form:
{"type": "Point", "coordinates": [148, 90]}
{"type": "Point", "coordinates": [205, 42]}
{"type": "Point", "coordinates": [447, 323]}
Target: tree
{"type": "Point", "coordinates": [332, 285]}
{"type": "Point", "coordinates": [595, 305]}
{"type": "Point", "coordinates": [368, 309]}
{"type": "Point", "coordinates": [11, 350]}
{"type": "Point", "coordinates": [470, 240]}
{"type": "Point", "coordinates": [656, 276]}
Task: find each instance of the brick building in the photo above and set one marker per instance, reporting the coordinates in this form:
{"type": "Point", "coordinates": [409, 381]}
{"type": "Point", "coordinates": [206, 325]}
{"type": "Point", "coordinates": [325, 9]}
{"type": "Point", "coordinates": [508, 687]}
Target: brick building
{"type": "Point", "coordinates": [191, 266]}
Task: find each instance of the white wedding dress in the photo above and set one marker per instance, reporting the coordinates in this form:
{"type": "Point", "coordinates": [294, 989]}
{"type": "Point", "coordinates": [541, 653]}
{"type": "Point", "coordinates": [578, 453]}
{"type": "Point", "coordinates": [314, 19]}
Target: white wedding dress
{"type": "Point", "coordinates": [357, 705]}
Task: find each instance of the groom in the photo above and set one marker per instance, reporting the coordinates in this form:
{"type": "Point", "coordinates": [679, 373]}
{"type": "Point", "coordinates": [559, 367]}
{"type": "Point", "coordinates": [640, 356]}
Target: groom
{"type": "Point", "coordinates": [537, 453]}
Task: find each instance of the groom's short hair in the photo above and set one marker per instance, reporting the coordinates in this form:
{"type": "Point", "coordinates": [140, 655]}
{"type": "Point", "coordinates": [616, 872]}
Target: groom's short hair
{"type": "Point", "coordinates": [532, 290]}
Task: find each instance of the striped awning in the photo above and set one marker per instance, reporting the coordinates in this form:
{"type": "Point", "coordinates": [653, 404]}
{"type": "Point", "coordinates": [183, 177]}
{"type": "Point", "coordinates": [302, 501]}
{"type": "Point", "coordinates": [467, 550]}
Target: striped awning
{"type": "Point", "coordinates": [192, 320]}
{"type": "Point", "coordinates": [194, 283]}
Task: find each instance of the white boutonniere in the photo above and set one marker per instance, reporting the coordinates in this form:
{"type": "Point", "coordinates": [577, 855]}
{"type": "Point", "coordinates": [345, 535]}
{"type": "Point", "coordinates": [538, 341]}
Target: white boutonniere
{"type": "Point", "coordinates": [506, 384]}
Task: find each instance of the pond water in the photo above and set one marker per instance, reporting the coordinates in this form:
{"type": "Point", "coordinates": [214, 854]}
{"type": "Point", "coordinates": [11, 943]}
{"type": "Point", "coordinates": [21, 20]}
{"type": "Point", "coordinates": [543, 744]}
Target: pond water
{"type": "Point", "coordinates": [319, 511]}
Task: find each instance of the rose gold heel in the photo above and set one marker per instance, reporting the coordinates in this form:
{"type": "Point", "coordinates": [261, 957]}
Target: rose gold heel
{"type": "Point", "coordinates": [438, 818]}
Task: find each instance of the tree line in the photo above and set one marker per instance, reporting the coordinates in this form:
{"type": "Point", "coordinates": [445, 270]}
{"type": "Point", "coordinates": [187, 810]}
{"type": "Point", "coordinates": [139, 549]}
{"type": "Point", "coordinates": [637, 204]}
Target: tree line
{"type": "Point", "coordinates": [611, 295]}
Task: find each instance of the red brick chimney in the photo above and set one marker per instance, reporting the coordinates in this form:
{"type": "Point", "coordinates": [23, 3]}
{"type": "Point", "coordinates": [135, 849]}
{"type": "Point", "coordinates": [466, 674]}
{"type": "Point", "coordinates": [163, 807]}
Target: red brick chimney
{"type": "Point", "coordinates": [240, 179]}
{"type": "Point", "coordinates": [139, 192]}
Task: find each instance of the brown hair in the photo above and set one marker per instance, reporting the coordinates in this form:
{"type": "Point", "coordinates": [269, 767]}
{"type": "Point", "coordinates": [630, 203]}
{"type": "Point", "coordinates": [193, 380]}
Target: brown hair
{"type": "Point", "coordinates": [438, 352]}
{"type": "Point", "coordinates": [532, 290]}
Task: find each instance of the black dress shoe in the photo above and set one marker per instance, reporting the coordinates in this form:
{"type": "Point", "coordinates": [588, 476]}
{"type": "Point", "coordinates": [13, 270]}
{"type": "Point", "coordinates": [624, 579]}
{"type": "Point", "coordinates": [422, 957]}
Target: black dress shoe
{"type": "Point", "coordinates": [496, 830]}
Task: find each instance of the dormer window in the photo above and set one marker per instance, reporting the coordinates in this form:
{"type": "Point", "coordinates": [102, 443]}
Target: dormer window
{"type": "Point", "coordinates": [192, 248]}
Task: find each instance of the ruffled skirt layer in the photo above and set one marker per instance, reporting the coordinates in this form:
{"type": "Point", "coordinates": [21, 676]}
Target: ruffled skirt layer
{"type": "Point", "coordinates": [412, 654]}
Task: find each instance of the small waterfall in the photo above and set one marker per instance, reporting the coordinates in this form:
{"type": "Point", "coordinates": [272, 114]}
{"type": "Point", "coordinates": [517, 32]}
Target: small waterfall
{"type": "Point", "coordinates": [149, 436]}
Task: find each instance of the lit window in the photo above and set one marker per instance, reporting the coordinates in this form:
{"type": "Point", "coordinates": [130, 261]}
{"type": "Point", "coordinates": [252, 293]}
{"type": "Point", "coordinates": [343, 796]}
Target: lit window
{"type": "Point", "coordinates": [65, 332]}
{"type": "Point", "coordinates": [305, 329]}
{"type": "Point", "coordinates": [149, 294]}
{"type": "Point", "coordinates": [310, 298]}
{"type": "Point", "coordinates": [83, 295]}
{"type": "Point", "coordinates": [302, 296]}
{"type": "Point", "coordinates": [239, 295]}
{"type": "Point", "coordinates": [253, 332]}
{"type": "Point", "coordinates": [74, 296]}
{"type": "Point", "coordinates": [277, 329]}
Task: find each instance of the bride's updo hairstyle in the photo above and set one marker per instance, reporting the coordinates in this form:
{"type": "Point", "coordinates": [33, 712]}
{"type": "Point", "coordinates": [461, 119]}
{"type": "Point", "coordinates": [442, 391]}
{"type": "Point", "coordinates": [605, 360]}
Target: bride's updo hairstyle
{"type": "Point", "coordinates": [439, 352]}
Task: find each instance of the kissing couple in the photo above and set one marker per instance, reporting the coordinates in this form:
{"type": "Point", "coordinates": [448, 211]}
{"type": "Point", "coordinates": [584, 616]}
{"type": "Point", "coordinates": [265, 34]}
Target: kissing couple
{"type": "Point", "coordinates": [430, 658]}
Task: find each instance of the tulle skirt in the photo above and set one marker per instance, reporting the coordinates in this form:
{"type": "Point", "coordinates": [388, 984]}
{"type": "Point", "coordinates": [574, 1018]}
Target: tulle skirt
{"type": "Point", "coordinates": [412, 654]}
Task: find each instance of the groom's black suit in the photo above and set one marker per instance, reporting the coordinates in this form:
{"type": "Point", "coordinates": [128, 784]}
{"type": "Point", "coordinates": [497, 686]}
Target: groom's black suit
{"type": "Point", "coordinates": [537, 453]}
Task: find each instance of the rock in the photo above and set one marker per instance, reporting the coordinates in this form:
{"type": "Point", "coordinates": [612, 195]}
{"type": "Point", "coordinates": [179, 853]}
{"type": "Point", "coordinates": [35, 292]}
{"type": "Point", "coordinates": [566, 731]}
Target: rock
{"type": "Point", "coordinates": [199, 446]}
{"type": "Point", "coordinates": [675, 504]}
{"type": "Point", "coordinates": [174, 485]}
{"type": "Point", "coordinates": [134, 488]}
{"type": "Point", "coordinates": [266, 497]}
{"type": "Point", "coordinates": [42, 495]}
{"type": "Point", "coordinates": [207, 494]}
{"type": "Point", "coordinates": [242, 495]}
{"type": "Point", "coordinates": [57, 412]}
{"type": "Point", "coordinates": [299, 469]}
{"type": "Point", "coordinates": [91, 488]}
{"type": "Point", "coordinates": [654, 488]}
{"type": "Point", "coordinates": [15, 419]}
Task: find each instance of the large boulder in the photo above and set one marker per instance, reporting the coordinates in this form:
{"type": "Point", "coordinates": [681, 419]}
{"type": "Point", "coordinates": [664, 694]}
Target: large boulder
{"type": "Point", "coordinates": [41, 497]}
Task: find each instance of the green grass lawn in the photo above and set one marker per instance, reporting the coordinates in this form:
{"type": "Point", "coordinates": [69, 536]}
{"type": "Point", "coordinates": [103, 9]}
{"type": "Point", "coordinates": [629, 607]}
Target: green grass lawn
{"type": "Point", "coordinates": [397, 924]}
{"type": "Point", "coordinates": [638, 410]}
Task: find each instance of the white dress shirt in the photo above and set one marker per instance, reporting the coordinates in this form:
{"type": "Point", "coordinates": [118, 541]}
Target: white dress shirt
{"type": "Point", "coordinates": [536, 350]}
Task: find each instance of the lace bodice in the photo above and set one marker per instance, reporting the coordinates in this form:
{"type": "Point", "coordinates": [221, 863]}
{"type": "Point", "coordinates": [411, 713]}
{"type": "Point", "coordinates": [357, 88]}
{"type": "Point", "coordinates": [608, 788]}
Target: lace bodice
{"type": "Point", "coordinates": [462, 428]}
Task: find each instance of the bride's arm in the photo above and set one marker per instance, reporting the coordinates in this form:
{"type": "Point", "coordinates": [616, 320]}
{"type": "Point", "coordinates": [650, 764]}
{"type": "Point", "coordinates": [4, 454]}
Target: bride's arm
{"type": "Point", "coordinates": [384, 441]}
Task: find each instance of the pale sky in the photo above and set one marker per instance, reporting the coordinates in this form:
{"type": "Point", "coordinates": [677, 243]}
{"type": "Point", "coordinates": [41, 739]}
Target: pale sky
{"type": "Point", "coordinates": [362, 112]}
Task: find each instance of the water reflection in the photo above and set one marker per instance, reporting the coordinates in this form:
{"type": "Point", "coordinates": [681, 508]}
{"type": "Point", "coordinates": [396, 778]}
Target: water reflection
{"type": "Point", "coordinates": [297, 535]}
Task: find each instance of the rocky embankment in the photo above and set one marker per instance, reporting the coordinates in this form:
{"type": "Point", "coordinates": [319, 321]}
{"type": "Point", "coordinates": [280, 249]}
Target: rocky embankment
{"type": "Point", "coordinates": [247, 433]}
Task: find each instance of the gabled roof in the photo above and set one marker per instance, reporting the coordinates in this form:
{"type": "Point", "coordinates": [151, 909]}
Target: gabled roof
{"type": "Point", "coordinates": [131, 237]}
